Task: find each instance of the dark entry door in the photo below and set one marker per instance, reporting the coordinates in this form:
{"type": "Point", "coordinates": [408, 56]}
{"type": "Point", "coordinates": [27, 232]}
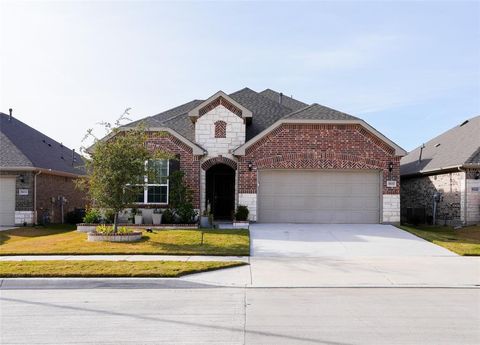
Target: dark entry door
{"type": "Point", "coordinates": [220, 191]}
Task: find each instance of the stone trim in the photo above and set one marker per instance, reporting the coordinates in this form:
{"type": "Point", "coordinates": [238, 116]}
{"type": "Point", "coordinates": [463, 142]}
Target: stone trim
{"type": "Point", "coordinates": [219, 160]}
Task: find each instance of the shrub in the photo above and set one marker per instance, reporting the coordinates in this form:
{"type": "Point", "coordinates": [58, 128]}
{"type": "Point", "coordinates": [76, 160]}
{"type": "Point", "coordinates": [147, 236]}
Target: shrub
{"type": "Point", "coordinates": [92, 216]}
{"type": "Point", "coordinates": [180, 199]}
{"type": "Point", "coordinates": [168, 217]}
{"type": "Point", "coordinates": [109, 230]}
{"type": "Point", "coordinates": [242, 213]}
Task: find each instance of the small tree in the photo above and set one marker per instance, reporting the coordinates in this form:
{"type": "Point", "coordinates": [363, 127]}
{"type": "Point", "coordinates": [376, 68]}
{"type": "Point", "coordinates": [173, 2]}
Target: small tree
{"type": "Point", "coordinates": [116, 166]}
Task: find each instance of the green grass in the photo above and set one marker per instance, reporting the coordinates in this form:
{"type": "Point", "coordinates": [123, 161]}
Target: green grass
{"type": "Point", "coordinates": [60, 268]}
{"type": "Point", "coordinates": [464, 241]}
{"type": "Point", "coordinates": [64, 240]}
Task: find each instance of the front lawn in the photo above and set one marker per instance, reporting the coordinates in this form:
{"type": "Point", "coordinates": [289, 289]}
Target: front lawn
{"type": "Point", "coordinates": [464, 241]}
{"type": "Point", "coordinates": [60, 268]}
{"type": "Point", "coordinates": [64, 240]}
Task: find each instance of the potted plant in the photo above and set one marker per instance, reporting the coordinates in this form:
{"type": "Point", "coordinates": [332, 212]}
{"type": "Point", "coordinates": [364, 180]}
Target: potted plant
{"type": "Point", "coordinates": [138, 217]}
{"type": "Point", "coordinates": [205, 218]}
{"type": "Point", "coordinates": [156, 216]}
{"type": "Point", "coordinates": [241, 217]}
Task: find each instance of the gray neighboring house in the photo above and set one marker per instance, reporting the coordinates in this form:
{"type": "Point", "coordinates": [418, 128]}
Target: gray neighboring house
{"type": "Point", "coordinates": [36, 175]}
{"type": "Point", "coordinates": [450, 166]}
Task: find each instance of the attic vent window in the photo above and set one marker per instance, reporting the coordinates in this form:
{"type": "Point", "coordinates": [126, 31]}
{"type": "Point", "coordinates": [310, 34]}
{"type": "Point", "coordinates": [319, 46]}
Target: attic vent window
{"type": "Point", "coordinates": [220, 129]}
{"type": "Point", "coordinates": [464, 123]}
{"type": "Point", "coordinates": [437, 145]}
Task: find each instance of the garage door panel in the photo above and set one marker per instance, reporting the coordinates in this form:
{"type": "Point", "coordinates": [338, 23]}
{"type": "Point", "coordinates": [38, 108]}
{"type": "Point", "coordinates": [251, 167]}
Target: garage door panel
{"type": "Point", "coordinates": [319, 196]}
{"type": "Point", "coordinates": [7, 201]}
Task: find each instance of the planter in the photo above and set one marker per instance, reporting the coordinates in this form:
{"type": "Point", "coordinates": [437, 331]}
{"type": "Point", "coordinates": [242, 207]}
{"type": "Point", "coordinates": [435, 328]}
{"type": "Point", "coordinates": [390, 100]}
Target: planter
{"type": "Point", "coordinates": [86, 227]}
{"type": "Point", "coordinates": [156, 218]}
{"type": "Point", "coordinates": [138, 220]}
{"type": "Point", "coordinates": [205, 222]}
{"type": "Point", "coordinates": [244, 224]}
{"type": "Point", "coordinates": [96, 237]}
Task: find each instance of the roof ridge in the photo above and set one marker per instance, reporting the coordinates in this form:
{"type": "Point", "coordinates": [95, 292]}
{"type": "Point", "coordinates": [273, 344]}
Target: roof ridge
{"type": "Point", "coordinates": [299, 110]}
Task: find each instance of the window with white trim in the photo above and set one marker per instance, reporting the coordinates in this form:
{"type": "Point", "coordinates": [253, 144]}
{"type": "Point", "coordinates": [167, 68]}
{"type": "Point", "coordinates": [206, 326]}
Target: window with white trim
{"type": "Point", "coordinates": [155, 188]}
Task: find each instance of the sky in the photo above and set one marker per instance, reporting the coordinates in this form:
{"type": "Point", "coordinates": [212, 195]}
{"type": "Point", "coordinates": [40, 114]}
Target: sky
{"type": "Point", "coordinates": [410, 69]}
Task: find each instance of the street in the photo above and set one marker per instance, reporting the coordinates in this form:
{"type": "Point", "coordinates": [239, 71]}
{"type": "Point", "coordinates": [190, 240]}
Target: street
{"type": "Point", "coordinates": [190, 313]}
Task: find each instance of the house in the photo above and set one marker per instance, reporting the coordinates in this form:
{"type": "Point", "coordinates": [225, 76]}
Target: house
{"type": "Point", "coordinates": [443, 177]}
{"type": "Point", "coordinates": [36, 175]}
{"type": "Point", "coordinates": [286, 160]}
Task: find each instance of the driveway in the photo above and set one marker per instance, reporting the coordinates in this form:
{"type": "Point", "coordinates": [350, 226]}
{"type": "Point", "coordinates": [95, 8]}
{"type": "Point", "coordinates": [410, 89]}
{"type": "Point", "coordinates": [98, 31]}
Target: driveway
{"type": "Point", "coordinates": [338, 240]}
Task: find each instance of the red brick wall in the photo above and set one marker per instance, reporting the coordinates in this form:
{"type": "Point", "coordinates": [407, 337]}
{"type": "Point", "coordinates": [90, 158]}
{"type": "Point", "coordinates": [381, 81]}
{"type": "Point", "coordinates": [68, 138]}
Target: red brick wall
{"type": "Point", "coordinates": [319, 146]}
{"type": "Point", "coordinates": [189, 163]}
{"type": "Point", "coordinates": [53, 186]}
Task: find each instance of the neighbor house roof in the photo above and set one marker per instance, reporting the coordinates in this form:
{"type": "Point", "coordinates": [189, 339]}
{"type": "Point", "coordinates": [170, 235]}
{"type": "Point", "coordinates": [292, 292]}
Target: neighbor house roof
{"type": "Point", "coordinates": [457, 147]}
{"type": "Point", "coordinates": [22, 146]}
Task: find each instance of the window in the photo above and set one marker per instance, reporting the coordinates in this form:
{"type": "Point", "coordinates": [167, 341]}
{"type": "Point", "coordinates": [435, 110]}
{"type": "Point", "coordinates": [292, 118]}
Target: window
{"type": "Point", "coordinates": [220, 129]}
{"type": "Point", "coordinates": [155, 189]}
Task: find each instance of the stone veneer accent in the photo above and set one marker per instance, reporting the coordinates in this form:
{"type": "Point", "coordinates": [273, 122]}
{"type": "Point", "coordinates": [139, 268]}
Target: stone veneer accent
{"type": "Point", "coordinates": [205, 131]}
{"type": "Point", "coordinates": [249, 200]}
{"type": "Point", "coordinates": [473, 201]}
{"type": "Point", "coordinates": [417, 192]}
{"type": "Point", "coordinates": [22, 217]}
{"type": "Point", "coordinates": [391, 208]}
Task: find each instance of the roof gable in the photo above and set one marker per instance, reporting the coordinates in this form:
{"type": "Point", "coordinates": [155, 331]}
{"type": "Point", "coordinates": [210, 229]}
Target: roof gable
{"type": "Point", "coordinates": [219, 98]}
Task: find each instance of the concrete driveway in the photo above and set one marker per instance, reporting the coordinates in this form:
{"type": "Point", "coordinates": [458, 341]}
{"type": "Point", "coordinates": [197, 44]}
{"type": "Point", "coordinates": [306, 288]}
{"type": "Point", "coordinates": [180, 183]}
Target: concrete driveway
{"type": "Point", "coordinates": [338, 240]}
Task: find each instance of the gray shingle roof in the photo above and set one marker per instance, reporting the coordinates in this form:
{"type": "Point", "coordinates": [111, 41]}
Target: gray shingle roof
{"type": "Point", "coordinates": [319, 112]}
{"type": "Point", "coordinates": [265, 110]}
{"type": "Point", "coordinates": [287, 101]}
{"type": "Point", "coordinates": [456, 147]}
{"type": "Point", "coordinates": [27, 147]}
{"type": "Point", "coordinates": [265, 107]}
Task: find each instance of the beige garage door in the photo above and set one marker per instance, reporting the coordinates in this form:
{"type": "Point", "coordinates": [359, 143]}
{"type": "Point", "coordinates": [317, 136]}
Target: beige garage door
{"type": "Point", "coordinates": [319, 196]}
{"type": "Point", "coordinates": [7, 200]}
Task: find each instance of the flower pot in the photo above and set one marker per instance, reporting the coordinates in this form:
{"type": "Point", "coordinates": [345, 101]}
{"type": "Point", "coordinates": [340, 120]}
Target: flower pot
{"type": "Point", "coordinates": [138, 219]}
{"type": "Point", "coordinates": [156, 218]}
{"type": "Point", "coordinates": [204, 222]}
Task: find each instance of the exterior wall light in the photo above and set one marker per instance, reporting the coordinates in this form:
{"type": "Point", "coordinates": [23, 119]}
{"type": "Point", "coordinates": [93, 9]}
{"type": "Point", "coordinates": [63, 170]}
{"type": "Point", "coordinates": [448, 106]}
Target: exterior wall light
{"type": "Point", "coordinates": [477, 175]}
{"type": "Point", "coordinates": [390, 166]}
{"type": "Point", "coordinates": [250, 166]}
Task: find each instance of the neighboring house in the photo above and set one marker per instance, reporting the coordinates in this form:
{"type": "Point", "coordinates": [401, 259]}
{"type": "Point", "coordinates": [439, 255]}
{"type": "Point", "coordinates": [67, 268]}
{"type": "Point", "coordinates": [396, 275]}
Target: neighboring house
{"type": "Point", "coordinates": [36, 175]}
{"type": "Point", "coordinates": [448, 165]}
{"type": "Point", "coordinates": [286, 160]}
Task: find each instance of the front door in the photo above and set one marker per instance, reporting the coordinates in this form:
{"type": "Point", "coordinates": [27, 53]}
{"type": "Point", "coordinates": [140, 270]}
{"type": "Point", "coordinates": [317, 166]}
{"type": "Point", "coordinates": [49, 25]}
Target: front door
{"type": "Point", "coordinates": [220, 191]}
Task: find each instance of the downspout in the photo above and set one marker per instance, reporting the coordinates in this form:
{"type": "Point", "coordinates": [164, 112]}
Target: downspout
{"type": "Point", "coordinates": [35, 196]}
{"type": "Point", "coordinates": [465, 198]}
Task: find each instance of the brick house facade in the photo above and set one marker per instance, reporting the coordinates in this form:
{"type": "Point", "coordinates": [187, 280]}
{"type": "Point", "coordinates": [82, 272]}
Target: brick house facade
{"type": "Point", "coordinates": [225, 142]}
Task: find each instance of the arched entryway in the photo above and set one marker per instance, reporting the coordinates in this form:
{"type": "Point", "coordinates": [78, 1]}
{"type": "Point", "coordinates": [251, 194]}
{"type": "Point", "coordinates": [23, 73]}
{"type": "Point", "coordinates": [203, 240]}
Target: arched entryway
{"type": "Point", "coordinates": [220, 191]}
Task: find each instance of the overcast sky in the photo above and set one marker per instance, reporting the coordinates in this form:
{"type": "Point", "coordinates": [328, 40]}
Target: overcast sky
{"type": "Point", "coordinates": [410, 69]}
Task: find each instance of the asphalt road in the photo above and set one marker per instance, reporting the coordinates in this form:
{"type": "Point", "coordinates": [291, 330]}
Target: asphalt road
{"type": "Point", "coordinates": [195, 314]}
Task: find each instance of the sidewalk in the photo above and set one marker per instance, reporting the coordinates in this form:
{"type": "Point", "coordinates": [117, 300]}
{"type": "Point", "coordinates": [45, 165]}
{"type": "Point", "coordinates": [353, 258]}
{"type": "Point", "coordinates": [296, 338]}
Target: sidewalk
{"type": "Point", "coordinates": [124, 258]}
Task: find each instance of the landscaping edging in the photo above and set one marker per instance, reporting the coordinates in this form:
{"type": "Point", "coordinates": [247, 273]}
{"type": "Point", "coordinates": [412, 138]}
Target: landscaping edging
{"type": "Point", "coordinates": [92, 227]}
{"type": "Point", "coordinates": [86, 227]}
{"type": "Point", "coordinates": [133, 237]}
